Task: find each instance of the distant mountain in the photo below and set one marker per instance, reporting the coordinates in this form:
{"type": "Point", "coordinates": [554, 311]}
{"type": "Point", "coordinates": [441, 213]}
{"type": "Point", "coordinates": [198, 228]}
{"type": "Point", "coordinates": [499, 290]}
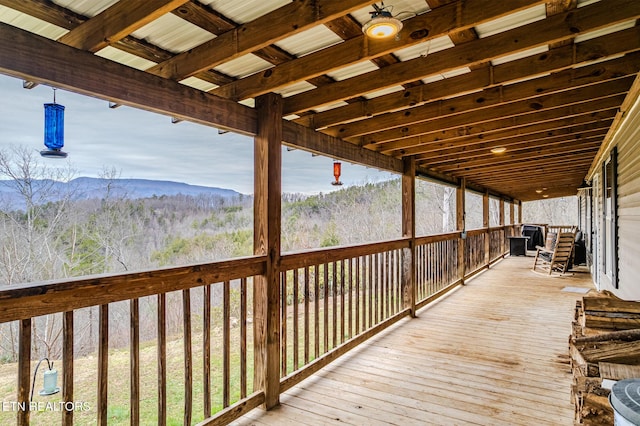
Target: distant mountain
{"type": "Point", "coordinates": [85, 188]}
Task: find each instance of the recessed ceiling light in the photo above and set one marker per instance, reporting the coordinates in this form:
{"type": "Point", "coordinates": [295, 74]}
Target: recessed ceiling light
{"type": "Point", "coordinates": [545, 196]}
{"type": "Point", "coordinates": [539, 191]}
{"type": "Point", "coordinates": [498, 149]}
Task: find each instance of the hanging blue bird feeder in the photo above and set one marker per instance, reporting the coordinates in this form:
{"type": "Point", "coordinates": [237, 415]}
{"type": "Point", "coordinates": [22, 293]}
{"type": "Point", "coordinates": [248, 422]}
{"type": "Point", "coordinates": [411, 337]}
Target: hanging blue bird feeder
{"type": "Point", "coordinates": [53, 130]}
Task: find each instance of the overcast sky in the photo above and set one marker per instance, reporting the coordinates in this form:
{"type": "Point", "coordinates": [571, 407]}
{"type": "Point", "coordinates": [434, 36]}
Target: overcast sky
{"type": "Point", "coordinates": [140, 144]}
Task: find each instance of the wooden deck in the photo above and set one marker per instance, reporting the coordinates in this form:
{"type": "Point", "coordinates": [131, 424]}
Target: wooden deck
{"type": "Point", "coordinates": [491, 353]}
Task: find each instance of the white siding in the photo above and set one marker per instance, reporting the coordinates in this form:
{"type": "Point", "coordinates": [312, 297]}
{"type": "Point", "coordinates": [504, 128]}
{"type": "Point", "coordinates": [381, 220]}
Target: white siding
{"type": "Point", "coordinates": [627, 141]}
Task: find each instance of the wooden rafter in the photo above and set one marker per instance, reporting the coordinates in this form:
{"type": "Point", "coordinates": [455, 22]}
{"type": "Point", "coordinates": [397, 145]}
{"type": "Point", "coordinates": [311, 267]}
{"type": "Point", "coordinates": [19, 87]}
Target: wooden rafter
{"type": "Point", "coordinates": [261, 32]}
{"type": "Point", "coordinates": [553, 61]}
{"type": "Point", "coordinates": [117, 22]}
{"type": "Point", "coordinates": [556, 28]}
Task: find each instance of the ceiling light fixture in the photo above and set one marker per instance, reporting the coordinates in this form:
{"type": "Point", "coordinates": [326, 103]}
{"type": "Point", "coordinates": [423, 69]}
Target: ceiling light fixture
{"type": "Point", "coordinates": [498, 149]}
{"type": "Point", "coordinates": [382, 24]}
{"type": "Point", "coordinates": [538, 191]}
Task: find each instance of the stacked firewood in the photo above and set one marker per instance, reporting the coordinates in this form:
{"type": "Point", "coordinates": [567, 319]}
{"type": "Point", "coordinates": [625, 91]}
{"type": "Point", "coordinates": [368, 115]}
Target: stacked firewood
{"type": "Point", "coordinates": [604, 347]}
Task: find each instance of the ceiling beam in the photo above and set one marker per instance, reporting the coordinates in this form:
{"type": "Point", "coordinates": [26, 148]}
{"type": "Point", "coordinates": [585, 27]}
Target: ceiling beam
{"type": "Point", "coordinates": [528, 106]}
{"type": "Point", "coordinates": [566, 80]}
{"type": "Point", "coordinates": [302, 137]}
{"type": "Point", "coordinates": [436, 139]}
{"type": "Point", "coordinates": [560, 162]}
{"type": "Point", "coordinates": [26, 55]}
{"type": "Point", "coordinates": [511, 136]}
{"type": "Point", "coordinates": [570, 145]}
{"type": "Point", "coordinates": [553, 61]}
{"type": "Point", "coordinates": [555, 28]}
{"type": "Point", "coordinates": [437, 22]}
{"type": "Point", "coordinates": [283, 22]}
{"type": "Point", "coordinates": [117, 22]}
{"type": "Point", "coordinates": [515, 143]}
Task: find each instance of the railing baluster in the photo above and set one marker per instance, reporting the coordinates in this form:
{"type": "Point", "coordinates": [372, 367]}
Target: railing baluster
{"type": "Point", "coordinates": [206, 350]}
{"type": "Point", "coordinates": [283, 322]}
{"type": "Point", "coordinates": [326, 307]}
{"type": "Point", "coordinates": [342, 301]}
{"type": "Point", "coordinates": [296, 320]}
{"type": "Point", "coordinates": [384, 266]}
{"type": "Point", "coordinates": [371, 288]}
{"type": "Point", "coordinates": [316, 310]}
{"type": "Point", "coordinates": [350, 293]}
{"type": "Point", "coordinates": [378, 291]}
{"type": "Point", "coordinates": [24, 371]}
{"type": "Point", "coordinates": [306, 314]}
{"type": "Point", "coordinates": [243, 338]}
{"type": "Point", "coordinates": [334, 298]}
{"type": "Point", "coordinates": [358, 274]}
{"type": "Point", "coordinates": [103, 364]}
{"type": "Point", "coordinates": [134, 357]}
{"type": "Point", "coordinates": [162, 359]}
{"type": "Point", "coordinates": [188, 359]}
{"type": "Point", "coordinates": [226, 342]}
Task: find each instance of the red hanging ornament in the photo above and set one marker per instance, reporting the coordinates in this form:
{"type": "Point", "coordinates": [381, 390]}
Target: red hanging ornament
{"type": "Point", "coordinates": [337, 168]}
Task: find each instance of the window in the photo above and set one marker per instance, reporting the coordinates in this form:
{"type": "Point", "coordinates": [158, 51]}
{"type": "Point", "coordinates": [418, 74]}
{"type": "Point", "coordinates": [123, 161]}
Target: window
{"type": "Point", "coordinates": [610, 216]}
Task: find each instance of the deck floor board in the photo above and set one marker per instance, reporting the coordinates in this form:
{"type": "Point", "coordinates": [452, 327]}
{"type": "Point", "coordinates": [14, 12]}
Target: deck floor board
{"type": "Point", "coordinates": [493, 352]}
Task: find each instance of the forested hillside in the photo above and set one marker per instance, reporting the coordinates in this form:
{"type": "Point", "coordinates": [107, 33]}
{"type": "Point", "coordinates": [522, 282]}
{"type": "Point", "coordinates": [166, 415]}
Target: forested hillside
{"type": "Point", "coordinates": [54, 233]}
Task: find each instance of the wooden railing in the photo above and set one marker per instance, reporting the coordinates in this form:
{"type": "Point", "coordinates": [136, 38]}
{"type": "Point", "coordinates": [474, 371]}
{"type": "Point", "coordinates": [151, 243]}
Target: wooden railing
{"type": "Point", "coordinates": [331, 301]}
{"type": "Point", "coordinates": [561, 228]}
{"type": "Point", "coordinates": [437, 266]}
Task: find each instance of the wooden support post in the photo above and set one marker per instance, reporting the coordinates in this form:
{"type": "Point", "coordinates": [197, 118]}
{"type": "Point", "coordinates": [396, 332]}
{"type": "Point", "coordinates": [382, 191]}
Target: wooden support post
{"type": "Point", "coordinates": [512, 213]}
{"type": "Point", "coordinates": [67, 362]}
{"type": "Point", "coordinates": [267, 212]}
{"type": "Point", "coordinates": [460, 226]}
{"type": "Point", "coordinates": [409, 231]}
{"type": "Point", "coordinates": [24, 372]}
{"type": "Point", "coordinates": [519, 211]}
{"type": "Point", "coordinates": [504, 230]}
{"type": "Point", "coordinates": [103, 364]}
{"type": "Point", "coordinates": [485, 225]}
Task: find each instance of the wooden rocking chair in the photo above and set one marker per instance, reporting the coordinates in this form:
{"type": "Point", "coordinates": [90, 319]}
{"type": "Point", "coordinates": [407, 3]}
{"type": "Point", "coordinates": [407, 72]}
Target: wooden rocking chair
{"type": "Point", "coordinates": [556, 254]}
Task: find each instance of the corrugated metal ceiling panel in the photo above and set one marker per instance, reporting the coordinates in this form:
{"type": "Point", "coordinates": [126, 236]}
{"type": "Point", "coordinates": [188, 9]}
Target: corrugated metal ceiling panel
{"type": "Point", "coordinates": [383, 92]}
{"type": "Point", "coordinates": [173, 34]}
{"type": "Point", "coordinates": [511, 21]}
{"type": "Point", "coordinates": [246, 10]}
{"type": "Point", "coordinates": [243, 66]}
{"type": "Point", "coordinates": [87, 8]}
{"type": "Point", "coordinates": [529, 52]}
{"type": "Point", "coordinates": [28, 23]}
{"type": "Point", "coordinates": [309, 41]}
{"type": "Point", "coordinates": [199, 84]}
{"type": "Point", "coordinates": [353, 70]}
{"type": "Point", "coordinates": [331, 106]}
{"type": "Point", "coordinates": [294, 89]}
{"type": "Point", "coordinates": [604, 31]}
{"type": "Point", "coordinates": [424, 48]}
{"type": "Point", "coordinates": [125, 58]}
{"type": "Point", "coordinates": [448, 74]}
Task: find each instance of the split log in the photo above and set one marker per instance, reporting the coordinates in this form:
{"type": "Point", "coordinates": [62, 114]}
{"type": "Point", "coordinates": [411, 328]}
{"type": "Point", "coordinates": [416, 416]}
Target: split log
{"type": "Point", "coordinates": [619, 352]}
{"type": "Point", "coordinates": [610, 313]}
{"type": "Point", "coordinates": [615, 371]}
{"type": "Point", "coordinates": [623, 336]}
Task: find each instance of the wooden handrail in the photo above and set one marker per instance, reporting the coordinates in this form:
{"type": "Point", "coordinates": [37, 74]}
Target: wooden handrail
{"type": "Point", "coordinates": [312, 257]}
{"type": "Point", "coordinates": [60, 296]}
